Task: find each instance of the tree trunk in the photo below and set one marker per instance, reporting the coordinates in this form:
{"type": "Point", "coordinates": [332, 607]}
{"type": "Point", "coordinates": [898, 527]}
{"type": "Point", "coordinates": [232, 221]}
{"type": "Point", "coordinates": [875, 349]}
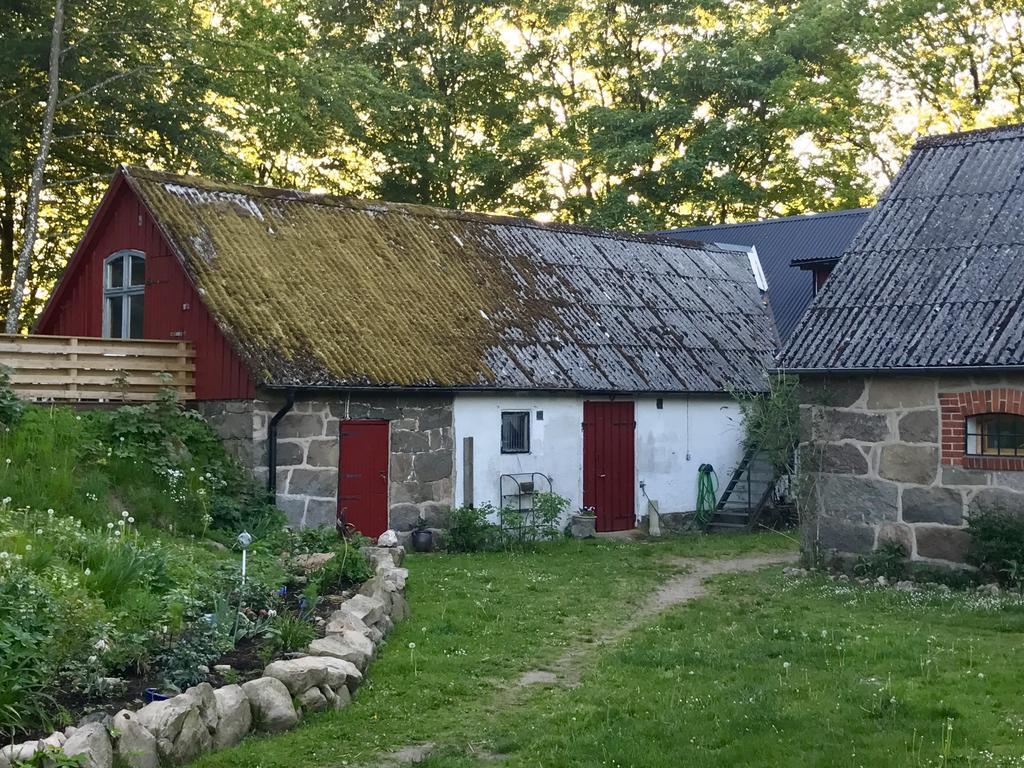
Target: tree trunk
{"type": "Point", "coordinates": [38, 172]}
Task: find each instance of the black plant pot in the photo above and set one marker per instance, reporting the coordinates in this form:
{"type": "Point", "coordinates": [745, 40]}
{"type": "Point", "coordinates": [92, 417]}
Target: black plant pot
{"type": "Point", "coordinates": [423, 540]}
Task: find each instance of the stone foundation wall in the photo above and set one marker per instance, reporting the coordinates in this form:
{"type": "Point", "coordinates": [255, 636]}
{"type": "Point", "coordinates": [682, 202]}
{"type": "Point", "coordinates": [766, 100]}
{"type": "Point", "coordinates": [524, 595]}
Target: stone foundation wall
{"type": "Point", "coordinates": [420, 466]}
{"type": "Point", "coordinates": [872, 470]}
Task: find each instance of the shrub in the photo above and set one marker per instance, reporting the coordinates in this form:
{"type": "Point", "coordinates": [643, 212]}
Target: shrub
{"type": "Point", "coordinates": [889, 560]}
{"type": "Point", "coordinates": [347, 567]}
{"type": "Point", "coordinates": [470, 530]}
{"type": "Point", "coordinates": [997, 546]}
{"type": "Point", "coordinates": [11, 407]}
{"type": "Point", "coordinates": [520, 529]}
{"type": "Point", "coordinates": [201, 645]}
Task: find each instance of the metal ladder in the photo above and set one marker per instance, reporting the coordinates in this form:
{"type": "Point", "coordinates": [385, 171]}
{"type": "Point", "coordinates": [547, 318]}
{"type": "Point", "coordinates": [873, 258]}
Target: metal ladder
{"type": "Point", "coordinates": [749, 490]}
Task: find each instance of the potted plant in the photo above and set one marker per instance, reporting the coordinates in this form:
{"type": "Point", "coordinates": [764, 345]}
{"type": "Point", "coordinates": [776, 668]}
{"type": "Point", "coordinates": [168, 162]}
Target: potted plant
{"type": "Point", "coordinates": [422, 536]}
{"type": "Point", "coordinates": [584, 523]}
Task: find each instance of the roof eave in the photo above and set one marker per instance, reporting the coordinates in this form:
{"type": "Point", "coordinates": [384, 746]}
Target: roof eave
{"type": "Point", "coordinates": [924, 369]}
{"type": "Point", "coordinates": [812, 263]}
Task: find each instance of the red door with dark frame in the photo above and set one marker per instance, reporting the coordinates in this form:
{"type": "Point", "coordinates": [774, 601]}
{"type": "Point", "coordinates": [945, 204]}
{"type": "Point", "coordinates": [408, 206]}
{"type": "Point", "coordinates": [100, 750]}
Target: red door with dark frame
{"type": "Point", "coordinates": [363, 476]}
{"type": "Point", "coordinates": [608, 463]}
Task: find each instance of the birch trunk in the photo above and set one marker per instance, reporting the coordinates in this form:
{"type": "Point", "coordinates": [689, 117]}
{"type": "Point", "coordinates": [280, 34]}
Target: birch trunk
{"type": "Point", "coordinates": [38, 174]}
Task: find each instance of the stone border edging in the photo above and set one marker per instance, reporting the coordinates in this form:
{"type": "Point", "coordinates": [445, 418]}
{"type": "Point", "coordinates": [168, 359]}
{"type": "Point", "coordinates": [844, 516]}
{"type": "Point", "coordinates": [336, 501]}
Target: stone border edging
{"type": "Point", "coordinates": [203, 719]}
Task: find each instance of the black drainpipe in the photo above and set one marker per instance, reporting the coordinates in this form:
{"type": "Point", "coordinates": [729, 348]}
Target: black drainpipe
{"type": "Point", "coordinates": [289, 403]}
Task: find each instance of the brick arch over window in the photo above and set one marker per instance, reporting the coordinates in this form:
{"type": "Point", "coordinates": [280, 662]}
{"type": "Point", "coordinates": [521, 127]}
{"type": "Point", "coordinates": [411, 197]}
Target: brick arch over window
{"type": "Point", "coordinates": [957, 407]}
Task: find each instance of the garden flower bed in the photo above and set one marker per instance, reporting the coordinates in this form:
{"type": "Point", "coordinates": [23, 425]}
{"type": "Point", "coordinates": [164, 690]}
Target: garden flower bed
{"type": "Point", "coordinates": [120, 574]}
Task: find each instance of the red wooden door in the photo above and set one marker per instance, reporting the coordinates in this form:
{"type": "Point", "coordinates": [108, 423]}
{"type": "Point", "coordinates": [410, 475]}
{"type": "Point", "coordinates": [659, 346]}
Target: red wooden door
{"type": "Point", "coordinates": [608, 463]}
{"type": "Point", "coordinates": [363, 476]}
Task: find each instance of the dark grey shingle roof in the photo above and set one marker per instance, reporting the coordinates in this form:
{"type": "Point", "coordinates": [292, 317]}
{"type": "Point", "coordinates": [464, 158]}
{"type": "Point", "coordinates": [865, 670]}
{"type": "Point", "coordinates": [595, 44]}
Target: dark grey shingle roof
{"type": "Point", "coordinates": [935, 279]}
{"type": "Point", "coordinates": [782, 242]}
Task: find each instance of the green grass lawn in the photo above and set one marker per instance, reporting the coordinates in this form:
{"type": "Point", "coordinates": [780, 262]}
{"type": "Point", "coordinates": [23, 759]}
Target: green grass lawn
{"type": "Point", "coordinates": [765, 671]}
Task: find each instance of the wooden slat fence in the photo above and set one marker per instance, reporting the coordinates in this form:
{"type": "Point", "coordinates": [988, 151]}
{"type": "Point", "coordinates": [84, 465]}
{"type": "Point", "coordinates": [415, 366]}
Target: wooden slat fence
{"type": "Point", "coordinates": [76, 368]}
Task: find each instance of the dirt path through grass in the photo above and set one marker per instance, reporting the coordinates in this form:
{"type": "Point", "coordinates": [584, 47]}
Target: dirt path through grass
{"type": "Point", "coordinates": [568, 668]}
{"type": "Point", "coordinates": [682, 588]}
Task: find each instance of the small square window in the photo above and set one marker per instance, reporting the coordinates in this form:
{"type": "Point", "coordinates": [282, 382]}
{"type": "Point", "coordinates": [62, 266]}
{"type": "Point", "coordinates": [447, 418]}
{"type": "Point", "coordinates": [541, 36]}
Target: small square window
{"type": "Point", "coordinates": [539, 415]}
{"type": "Point", "coordinates": [515, 432]}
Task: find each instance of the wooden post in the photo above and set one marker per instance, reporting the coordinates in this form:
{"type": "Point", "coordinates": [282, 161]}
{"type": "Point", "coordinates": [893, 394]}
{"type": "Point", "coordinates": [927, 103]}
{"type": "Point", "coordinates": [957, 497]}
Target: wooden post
{"type": "Point", "coordinates": [467, 471]}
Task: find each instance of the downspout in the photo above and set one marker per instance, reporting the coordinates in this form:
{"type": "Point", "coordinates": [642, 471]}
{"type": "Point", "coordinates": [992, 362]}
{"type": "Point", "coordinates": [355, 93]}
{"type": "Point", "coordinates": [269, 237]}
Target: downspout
{"type": "Point", "coordinates": [289, 403]}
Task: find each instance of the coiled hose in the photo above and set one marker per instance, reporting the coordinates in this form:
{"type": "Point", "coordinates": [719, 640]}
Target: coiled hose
{"type": "Point", "coordinates": [707, 484]}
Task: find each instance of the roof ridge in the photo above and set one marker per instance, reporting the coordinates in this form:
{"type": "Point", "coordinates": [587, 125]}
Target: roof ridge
{"type": "Point", "coordinates": [1013, 131]}
{"type": "Point", "coordinates": [792, 217]}
{"type": "Point", "coordinates": [410, 209]}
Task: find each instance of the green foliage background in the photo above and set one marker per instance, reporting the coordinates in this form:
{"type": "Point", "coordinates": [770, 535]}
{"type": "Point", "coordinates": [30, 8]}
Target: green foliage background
{"type": "Point", "coordinates": [635, 115]}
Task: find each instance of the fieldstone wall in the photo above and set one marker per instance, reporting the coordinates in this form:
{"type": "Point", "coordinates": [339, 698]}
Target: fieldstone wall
{"type": "Point", "coordinates": [871, 469]}
{"type": "Point", "coordinates": [420, 467]}
{"type": "Point", "coordinates": [421, 464]}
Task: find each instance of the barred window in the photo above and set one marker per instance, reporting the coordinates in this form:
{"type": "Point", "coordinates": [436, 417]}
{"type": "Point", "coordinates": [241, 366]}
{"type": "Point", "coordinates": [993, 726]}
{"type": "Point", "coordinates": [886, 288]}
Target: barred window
{"type": "Point", "coordinates": [995, 434]}
{"type": "Point", "coordinates": [515, 432]}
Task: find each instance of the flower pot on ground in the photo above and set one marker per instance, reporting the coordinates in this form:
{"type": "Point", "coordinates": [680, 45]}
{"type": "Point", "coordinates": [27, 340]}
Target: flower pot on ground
{"type": "Point", "coordinates": [583, 524]}
{"type": "Point", "coordinates": [422, 537]}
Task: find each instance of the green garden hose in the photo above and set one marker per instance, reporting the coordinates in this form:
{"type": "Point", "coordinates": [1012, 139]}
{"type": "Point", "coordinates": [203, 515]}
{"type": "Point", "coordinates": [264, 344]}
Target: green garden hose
{"type": "Point", "coordinates": [707, 482]}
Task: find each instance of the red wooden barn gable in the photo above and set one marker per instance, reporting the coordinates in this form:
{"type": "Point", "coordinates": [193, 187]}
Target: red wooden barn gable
{"type": "Point", "coordinates": [173, 308]}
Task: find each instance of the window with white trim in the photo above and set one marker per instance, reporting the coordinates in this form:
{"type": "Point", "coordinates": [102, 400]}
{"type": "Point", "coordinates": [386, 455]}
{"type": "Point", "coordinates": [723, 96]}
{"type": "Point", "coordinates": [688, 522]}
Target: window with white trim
{"type": "Point", "coordinates": [995, 434]}
{"type": "Point", "coordinates": [515, 431]}
{"type": "Point", "coordinates": [124, 288]}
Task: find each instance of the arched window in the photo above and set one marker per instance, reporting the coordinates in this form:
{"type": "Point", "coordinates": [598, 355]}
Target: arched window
{"type": "Point", "coordinates": [995, 434]}
{"type": "Point", "coordinates": [124, 287]}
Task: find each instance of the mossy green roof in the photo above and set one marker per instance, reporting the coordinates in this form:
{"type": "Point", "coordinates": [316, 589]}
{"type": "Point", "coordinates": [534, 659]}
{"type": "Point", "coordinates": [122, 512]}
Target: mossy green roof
{"type": "Point", "coordinates": [324, 291]}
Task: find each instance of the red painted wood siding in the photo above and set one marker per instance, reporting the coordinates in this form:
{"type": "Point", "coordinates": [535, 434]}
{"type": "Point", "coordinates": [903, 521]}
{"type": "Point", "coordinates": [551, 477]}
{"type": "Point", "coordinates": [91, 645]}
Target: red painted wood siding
{"type": "Point", "coordinates": [363, 476]}
{"type": "Point", "coordinates": [609, 465]}
{"type": "Point", "coordinates": [820, 276]}
{"type": "Point", "coordinates": [126, 224]}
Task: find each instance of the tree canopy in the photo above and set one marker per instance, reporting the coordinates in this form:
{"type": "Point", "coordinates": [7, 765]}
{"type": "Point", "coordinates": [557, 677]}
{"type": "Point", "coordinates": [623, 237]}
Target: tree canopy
{"type": "Point", "coordinates": [635, 115]}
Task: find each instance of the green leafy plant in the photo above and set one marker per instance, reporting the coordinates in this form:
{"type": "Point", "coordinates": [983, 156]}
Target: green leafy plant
{"type": "Point", "coordinates": [11, 406]}
{"type": "Point", "coordinates": [771, 420]}
{"type": "Point", "coordinates": [997, 541]}
{"type": "Point", "coordinates": [470, 529]}
{"type": "Point", "coordinates": [889, 560]}
{"type": "Point", "coordinates": [347, 567]}
{"type": "Point", "coordinates": [289, 632]}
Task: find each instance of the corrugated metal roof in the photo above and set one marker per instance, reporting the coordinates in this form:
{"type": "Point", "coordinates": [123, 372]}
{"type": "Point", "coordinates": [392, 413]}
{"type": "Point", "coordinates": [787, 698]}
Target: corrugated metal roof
{"type": "Point", "coordinates": [322, 291]}
{"type": "Point", "coordinates": [782, 243]}
{"type": "Point", "coordinates": [935, 279]}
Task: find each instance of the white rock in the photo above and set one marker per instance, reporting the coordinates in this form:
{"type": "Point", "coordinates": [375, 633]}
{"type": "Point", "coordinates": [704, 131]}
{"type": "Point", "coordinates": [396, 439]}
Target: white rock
{"type": "Point", "coordinates": [349, 646]}
{"type": "Point", "coordinates": [92, 742]}
{"type": "Point", "coordinates": [342, 698]}
{"type": "Point", "coordinates": [193, 740]}
{"type": "Point", "coordinates": [341, 621]}
{"type": "Point", "coordinates": [298, 675]}
{"type": "Point", "coordinates": [312, 700]}
{"type": "Point", "coordinates": [272, 708]}
{"type": "Point", "coordinates": [164, 718]}
{"type": "Point", "coordinates": [388, 539]}
{"type": "Point", "coordinates": [20, 753]}
{"type": "Point", "coordinates": [342, 674]}
{"type": "Point", "coordinates": [328, 693]}
{"type": "Point", "coordinates": [134, 747]}
{"type": "Point", "coordinates": [221, 668]}
{"type": "Point", "coordinates": [234, 716]}
{"type": "Point", "coordinates": [55, 739]}
{"type": "Point", "coordinates": [369, 610]}
{"type": "Point", "coordinates": [179, 725]}
{"type": "Point", "coordinates": [203, 695]}
{"type": "Point", "coordinates": [399, 607]}
{"type": "Point", "coordinates": [376, 554]}
{"type": "Point", "coordinates": [5, 761]}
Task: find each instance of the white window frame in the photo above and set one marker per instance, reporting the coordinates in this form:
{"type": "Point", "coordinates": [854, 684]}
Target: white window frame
{"type": "Point", "coordinates": [124, 292]}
